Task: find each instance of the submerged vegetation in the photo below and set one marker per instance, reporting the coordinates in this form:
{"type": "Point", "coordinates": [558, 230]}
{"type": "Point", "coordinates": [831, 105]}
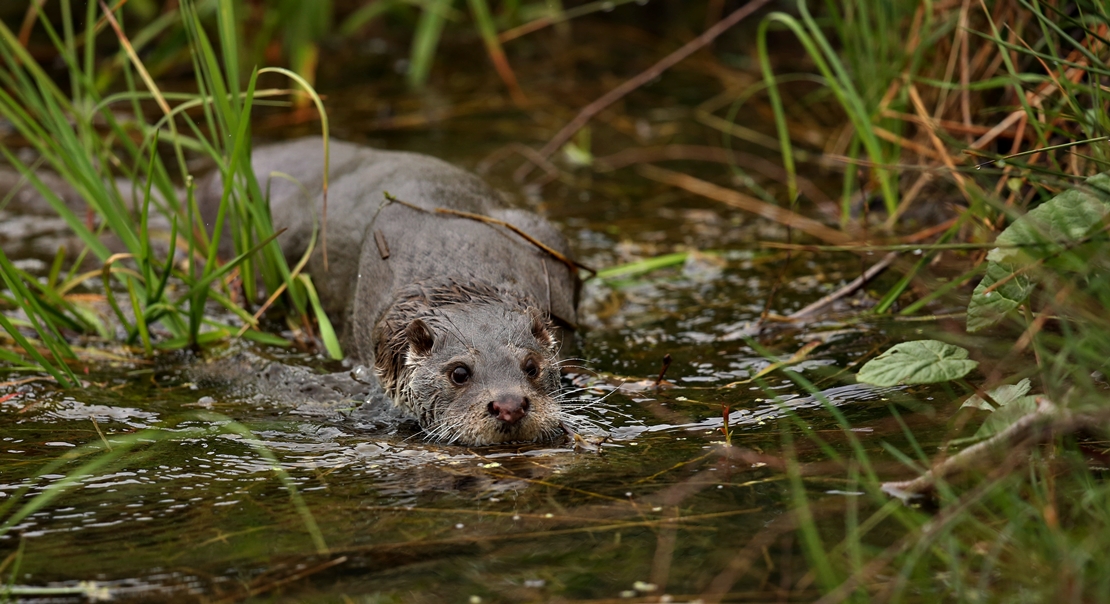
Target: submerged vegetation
{"type": "Point", "coordinates": [967, 141]}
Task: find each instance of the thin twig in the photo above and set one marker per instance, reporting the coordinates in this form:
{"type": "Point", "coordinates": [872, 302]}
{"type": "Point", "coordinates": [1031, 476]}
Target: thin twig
{"type": "Point", "coordinates": [942, 151]}
{"type": "Point", "coordinates": [529, 153]}
{"type": "Point", "coordinates": [572, 264]}
{"type": "Point", "coordinates": [126, 43]}
{"type": "Point", "coordinates": [29, 21]}
{"type": "Point", "coordinates": [589, 111]}
{"type": "Point", "coordinates": [101, 434]}
{"type": "Point", "coordinates": [1041, 425]}
{"type": "Point", "coordinates": [663, 370]}
{"type": "Point", "coordinates": [749, 161]}
{"type": "Point", "coordinates": [848, 289]}
{"type": "Point", "coordinates": [297, 576]}
{"type": "Point", "coordinates": [747, 203]}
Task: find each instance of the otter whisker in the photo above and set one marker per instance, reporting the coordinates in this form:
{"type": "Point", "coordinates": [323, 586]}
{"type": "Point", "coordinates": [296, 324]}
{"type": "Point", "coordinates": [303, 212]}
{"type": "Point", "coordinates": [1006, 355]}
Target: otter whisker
{"type": "Point", "coordinates": [598, 400]}
{"type": "Point", "coordinates": [573, 390]}
{"type": "Point", "coordinates": [458, 333]}
{"type": "Point", "coordinates": [562, 362]}
{"type": "Point", "coordinates": [565, 396]}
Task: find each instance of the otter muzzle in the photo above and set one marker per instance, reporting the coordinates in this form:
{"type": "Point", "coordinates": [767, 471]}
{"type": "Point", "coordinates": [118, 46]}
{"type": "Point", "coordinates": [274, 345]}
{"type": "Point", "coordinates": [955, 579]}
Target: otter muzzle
{"type": "Point", "coordinates": [509, 409]}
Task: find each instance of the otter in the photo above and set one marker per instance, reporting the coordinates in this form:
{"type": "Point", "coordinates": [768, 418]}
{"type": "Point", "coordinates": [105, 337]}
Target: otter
{"type": "Point", "coordinates": [461, 319]}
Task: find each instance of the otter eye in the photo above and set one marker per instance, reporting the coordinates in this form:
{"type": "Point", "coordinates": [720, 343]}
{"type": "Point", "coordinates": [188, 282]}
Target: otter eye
{"type": "Point", "coordinates": [460, 375]}
{"type": "Point", "coordinates": [531, 369]}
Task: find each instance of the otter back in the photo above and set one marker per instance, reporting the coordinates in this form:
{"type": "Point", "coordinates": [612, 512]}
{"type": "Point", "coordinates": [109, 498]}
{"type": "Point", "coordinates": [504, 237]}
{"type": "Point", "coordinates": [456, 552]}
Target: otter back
{"type": "Point", "coordinates": [454, 314]}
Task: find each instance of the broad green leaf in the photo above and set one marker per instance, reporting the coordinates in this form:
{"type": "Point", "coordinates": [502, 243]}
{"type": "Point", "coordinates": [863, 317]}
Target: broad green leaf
{"type": "Point", "coordinates": [988, 308]}
{"type": "Point", "coordinates": [1044, 232]}
{"type": "Point", "coordinates": [1006, 415]}
{"type": "Point", "coordinates": [1068, 217]}
{"type": "Point", "coordinates": [1003, 395]}
{"type": "Point", "coordinates": [919, 362]}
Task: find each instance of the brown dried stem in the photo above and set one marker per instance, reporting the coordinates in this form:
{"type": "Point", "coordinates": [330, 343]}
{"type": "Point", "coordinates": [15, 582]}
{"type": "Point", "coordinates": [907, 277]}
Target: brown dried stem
{"type": "Point", "coordinates": [589, 111]}
{"type": "Point", "coordinates": [748, 204]}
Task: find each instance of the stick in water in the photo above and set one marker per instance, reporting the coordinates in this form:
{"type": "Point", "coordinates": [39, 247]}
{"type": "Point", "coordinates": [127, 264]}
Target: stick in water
{"type": "Point", "coordinates": [663, 371]}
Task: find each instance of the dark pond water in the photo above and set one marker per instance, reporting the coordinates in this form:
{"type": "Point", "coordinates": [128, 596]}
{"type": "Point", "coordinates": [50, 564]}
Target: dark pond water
{"type": "Point", "coordinates": [316, 504]}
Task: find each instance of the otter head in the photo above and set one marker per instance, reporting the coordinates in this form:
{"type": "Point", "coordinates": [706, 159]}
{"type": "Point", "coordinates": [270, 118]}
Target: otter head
{"type": "Point", "coordinates": [474, 366]}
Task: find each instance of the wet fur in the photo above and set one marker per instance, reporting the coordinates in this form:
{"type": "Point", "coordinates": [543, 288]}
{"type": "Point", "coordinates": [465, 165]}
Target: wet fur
{"type": "Point", "coordinates": [414, 373]}
{"type": "Point", "coordinates": [483, 293]}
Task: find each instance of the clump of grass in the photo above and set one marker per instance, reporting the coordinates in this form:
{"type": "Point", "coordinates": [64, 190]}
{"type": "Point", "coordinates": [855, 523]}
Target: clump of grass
{"type": "Point", "coordinates": [80, 132]}
{"type": "Point", "coordinates": [997, 108]}
{"type": "Point", "coordinates": [117, 165]}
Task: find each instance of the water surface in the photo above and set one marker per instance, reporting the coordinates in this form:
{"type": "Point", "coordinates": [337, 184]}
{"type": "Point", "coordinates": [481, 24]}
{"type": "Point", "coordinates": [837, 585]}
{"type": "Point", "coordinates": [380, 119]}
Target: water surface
{"type": "Point", "coordinates": [224, 494]}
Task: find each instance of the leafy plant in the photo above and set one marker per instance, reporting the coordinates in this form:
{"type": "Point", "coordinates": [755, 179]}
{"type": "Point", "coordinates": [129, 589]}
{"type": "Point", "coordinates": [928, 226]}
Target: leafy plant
{"type": "Point", "coordinates": [917, 362]}
{"type": "Point", "coordinates": [1062, 235]}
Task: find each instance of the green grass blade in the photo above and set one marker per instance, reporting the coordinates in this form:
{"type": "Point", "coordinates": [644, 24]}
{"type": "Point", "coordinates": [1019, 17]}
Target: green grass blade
{"type": "Point", "coordinates": [327, 332]}
{"type": "Point", "coordinates": [60, 372]}
{"type": "Point", "coordinates": [140, 320]}
{"type": "Point", "coordinates": [811, 540]}
{"type": "Point", "coordinates": [640, 267]}
{"type": "Point", "coordinates": [488, 30]}
{"type": "Point", "coordinates": [201, 285]}
{"type": "Point", "coordinates": [779, 113]}
{"type": "Point", "coordinates": [429, 28]}
{"type": "Point", "coordinates": [365, 14]}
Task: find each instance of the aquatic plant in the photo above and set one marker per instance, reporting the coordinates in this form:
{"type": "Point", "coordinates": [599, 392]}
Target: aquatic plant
{"type": "Point", "coordinates": [968, 140]}
{"type": "Point", "coordinates": [117, 163]}
{"type": "Point", "coordinates": [1033, 225]}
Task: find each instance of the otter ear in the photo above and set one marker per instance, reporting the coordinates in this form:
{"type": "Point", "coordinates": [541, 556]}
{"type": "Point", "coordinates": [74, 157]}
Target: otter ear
{"type": "Point", "coordinates": [420, 337]}
{"type": "Point", "coordinates": [542, 329]}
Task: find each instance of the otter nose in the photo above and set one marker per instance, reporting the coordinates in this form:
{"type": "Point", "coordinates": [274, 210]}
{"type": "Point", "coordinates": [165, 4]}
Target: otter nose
{"type": "Point", "coordinates": [509, 409]}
